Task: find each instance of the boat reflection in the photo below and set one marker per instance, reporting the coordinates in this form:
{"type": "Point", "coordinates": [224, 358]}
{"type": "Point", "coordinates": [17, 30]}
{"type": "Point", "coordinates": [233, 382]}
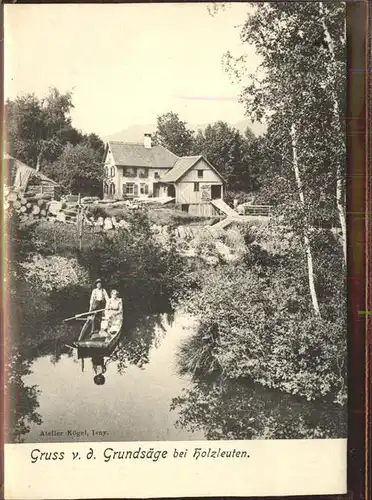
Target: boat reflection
{"type": "Point", "coordinates": [131, 347]}
{"type": "Point", "coordinates": [100, 357]}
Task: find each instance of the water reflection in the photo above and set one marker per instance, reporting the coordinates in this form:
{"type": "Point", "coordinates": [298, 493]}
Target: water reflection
{"type": "Point", "coordinates": [143, 396]}
{"type": "Point", "coordinates": [21, 400]}
{"type": "Point", "coordinates": [98, 365]}
{"type": "Point", "coordinates": [143, 335]}
{"type": "Point", "coordinates": [138, 338]}
{"type": "Point", "coordinates": [133, 348]}
{"type": "Point", "coordinates": [242, 410]}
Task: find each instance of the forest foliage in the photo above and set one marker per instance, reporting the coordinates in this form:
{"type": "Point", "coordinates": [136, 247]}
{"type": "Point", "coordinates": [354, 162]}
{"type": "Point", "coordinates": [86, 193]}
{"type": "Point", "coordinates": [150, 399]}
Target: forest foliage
{"type": "Point", "coordinates": [41, 134]}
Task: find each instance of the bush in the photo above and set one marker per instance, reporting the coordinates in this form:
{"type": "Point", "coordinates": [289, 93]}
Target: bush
{"type": "Point", "coordinates": [205, 243]}
{"type": "Point", "coordinates": [164, 216]}
{"type": "Point", "coordinates": [21, 238]}
{"type": "Point", "coordinates": [96, 211]}
{"type": "Point", "coordinates": [234, 239]}
{"type": "Point", "coordinates": [62, 239]}
{"type": "Point", "coordinates": [144, 272]}
{"type": "Point", "coordinates": [161, 216]}
{"type": "Point", "coordinates": [264, 328]}
{"type": "Point", "coordinates": [213, 220]}
{"type": "Point", "coordinates": [118, 212]}
{"type": "Point", "coordinates": [53, 272]}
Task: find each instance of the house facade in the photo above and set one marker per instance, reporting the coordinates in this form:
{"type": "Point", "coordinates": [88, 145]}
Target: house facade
{"type": "Point", "coordinates": [194, 183]}
{"type": "Point", "coordinates": [135, 170]}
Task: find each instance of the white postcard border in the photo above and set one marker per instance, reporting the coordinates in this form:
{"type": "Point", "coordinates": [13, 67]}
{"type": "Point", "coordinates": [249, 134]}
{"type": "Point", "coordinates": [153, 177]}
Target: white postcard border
{"type": "Point", "coordinates": [273, 468]}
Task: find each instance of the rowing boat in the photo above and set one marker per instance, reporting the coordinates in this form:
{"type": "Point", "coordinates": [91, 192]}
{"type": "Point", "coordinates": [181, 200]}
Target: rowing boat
{"type": "Point", "coordinates": [98, 340]}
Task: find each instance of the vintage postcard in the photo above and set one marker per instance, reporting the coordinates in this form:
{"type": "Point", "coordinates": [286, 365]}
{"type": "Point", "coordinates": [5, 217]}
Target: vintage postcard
{"type": "Point", "coordinates": [176, 207]}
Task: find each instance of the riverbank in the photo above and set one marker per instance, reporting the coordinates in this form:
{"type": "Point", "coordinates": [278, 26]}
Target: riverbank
{"type": "Point", "coordinates": [256, 319]}
{"type": "Point", "coordinates": [145, 398]}
{"type": "Point", "coordinates": [251, 304]}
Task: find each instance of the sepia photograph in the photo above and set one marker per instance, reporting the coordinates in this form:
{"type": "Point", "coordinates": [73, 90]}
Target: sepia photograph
{"type": "Point", "coordinates": [175, 191]}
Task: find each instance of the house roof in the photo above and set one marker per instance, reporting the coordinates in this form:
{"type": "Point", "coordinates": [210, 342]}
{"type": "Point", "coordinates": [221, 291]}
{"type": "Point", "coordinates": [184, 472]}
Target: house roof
{"type": "Point", "coordinates": [180, 168]}
{"type": "Point", "coordinates": [17, 164]}
{"type": "Point", "coordinates": [183, 165]}
{"type": "Point", "coordinates": [129, 154]}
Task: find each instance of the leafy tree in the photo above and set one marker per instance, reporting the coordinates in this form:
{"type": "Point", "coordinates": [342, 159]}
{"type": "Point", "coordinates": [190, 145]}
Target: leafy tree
{"type": "Point", "coordinates": [229, 151]}
{"type": "Point", "coordinates": [41, 134]}
{"type": "Point", "coordinates": [39, 128]}
{"type": "Point", "coordinates": [300, 90]}
{"type": "Point", "coordinates": [95, 143]}
{"type": "Point", "coordinates": [25, 128]}
{"type": "Point", "coordinates": [173, 134]}
{"type": "Point", "coordinates": [78, 169]}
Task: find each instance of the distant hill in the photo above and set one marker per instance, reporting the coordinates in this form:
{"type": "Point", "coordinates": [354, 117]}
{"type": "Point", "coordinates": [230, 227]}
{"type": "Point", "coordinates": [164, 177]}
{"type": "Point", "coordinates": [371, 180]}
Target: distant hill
{"type": "Point", "coordinates": [134, 133]}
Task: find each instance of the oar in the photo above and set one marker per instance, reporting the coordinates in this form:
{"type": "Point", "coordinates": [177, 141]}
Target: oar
{"type": "Point", "coordinates": [84, 314]}
{"type": "Point", "coordinates": [71, 346]}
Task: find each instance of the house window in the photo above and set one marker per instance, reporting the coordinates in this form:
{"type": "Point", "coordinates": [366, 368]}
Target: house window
{"type": "Point", "coordinates": [196, 187]}
{"type": "Point", "coordinates": [156, 175]}
{"type": "Point", "coordinates": [144, 189]}
{"type": "Point", "coordinates": [130, 172]}
{"type": "Point", "coordinates": [144, 173]}
{"type": "Point", "coordinates": [105, 188]}
{"type": "Point", "coordinates": [200, 174]}
{"type": "Point", "coordinates": [112, 188]}
{"type": "Point", "coordinates": [112, 171]}
{"type": "Point", "coordinates": [129, 189]}
{"type": "Point", "coordinates": [106, 172]}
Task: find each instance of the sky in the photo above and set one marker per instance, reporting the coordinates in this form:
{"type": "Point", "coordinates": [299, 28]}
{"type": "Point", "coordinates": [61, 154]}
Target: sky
{"type": "Point", "coordinates": [127, 63]}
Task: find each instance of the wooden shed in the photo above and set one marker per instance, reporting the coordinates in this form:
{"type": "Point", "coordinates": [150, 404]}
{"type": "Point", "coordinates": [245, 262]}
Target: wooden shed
{"type": "Point", "coordinates": [194, 183]}
{"type": "Point", "coordinates": [25, 179]}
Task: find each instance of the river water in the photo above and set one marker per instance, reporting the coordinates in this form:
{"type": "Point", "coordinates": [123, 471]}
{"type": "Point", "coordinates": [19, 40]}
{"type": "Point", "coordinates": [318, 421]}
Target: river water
{"type": "Point", "coordinates": [144, 397]}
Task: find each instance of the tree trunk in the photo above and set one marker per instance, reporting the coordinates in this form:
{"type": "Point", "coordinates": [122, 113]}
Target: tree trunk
{"type": "Point", "coordinates": [340, 194]}
{"type": "Point", "coordinates": [342, 215]}
{"type": "Point", "coordinates": [38, 162]}
{"type": "Point", "coordinates": [309, 257]}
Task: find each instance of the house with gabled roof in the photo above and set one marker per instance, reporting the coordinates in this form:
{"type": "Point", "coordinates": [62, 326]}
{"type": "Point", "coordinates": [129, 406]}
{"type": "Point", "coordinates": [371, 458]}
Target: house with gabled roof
{"type": "Point", "coordinates": [134, 170]}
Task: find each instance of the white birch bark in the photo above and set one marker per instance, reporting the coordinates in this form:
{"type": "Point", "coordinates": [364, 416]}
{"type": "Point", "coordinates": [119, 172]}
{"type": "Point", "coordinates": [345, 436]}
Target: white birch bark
{"type": "Point", "coordinates": [38, 161]}
{"type": "Point", "coordinates": [340, 194]}
{"type": "Point", "coordinates": [309, 257]}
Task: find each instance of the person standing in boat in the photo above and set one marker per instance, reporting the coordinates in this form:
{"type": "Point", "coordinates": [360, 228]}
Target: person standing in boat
{"type": "Point", "coordinates": [114, 312]}
{"type": "Point", "coordinates": [98, 300]}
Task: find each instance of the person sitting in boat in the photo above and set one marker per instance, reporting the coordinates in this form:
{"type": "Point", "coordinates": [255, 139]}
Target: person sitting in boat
{"type": "Point", "coordinates": [114, 312]}
{"type": "Point", "coordinates": [98, 300]}
{"type": "Point", "coordinates": [102, 334]}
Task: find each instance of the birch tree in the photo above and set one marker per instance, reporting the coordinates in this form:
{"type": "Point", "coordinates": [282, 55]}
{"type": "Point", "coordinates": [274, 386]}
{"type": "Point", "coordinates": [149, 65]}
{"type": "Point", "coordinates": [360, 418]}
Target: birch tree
{"type": "Point", "coordinates": [307, 245]}
{"type": "Point", "coordinates": [303, 62]}
{"type": "Point", "coordinates": [299, 91]}
{"type": "Point", "coordinates": [332, 73]}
